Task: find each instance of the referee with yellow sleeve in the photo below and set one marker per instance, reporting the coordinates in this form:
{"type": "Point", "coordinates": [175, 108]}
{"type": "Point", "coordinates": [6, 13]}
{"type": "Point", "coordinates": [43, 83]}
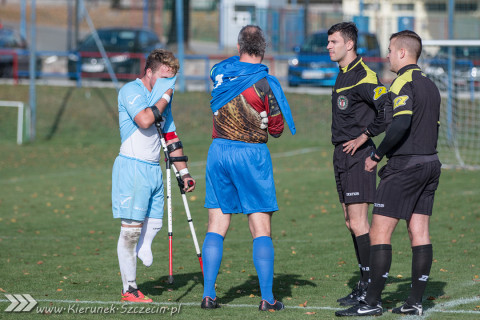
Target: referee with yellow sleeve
{"type": "Point", "coordinates": [409, 179]}
{"type": "Point", "coordinates": [358, 100]}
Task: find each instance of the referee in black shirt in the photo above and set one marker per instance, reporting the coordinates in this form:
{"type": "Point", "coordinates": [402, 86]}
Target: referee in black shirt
{"type": "Point", "coordinates": [409, 179]}
{"type": "Point", "coordinates": [358, 99]}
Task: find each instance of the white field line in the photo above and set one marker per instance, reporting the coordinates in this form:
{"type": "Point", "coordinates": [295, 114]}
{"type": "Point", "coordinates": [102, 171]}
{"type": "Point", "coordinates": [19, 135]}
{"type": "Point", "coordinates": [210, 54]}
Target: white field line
{"type": "Point", "coordinates": [191, 165]}
{"type": "Point", "coordinates": [443, 307]}
{"type": "Point", "coordinates": [439, 308]}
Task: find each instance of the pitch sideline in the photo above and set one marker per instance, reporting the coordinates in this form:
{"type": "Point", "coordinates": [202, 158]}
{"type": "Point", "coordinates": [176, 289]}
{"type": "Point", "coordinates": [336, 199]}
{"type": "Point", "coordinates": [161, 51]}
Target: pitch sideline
{"type": "Point", "coordinates": [438, 308]}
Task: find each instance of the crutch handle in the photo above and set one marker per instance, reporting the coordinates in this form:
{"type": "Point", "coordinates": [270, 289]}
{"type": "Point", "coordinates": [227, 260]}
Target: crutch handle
{"type": "Point", "coordinates": [190, 183]}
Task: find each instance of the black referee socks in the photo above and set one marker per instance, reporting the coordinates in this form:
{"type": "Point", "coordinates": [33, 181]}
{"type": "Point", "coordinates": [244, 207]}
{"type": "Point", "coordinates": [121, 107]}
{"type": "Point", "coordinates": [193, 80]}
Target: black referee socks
{"type": "Point", "coordinates": [363, 243]}
{"type": "Point", "coordinates": [380, 262]}
{"type": "Point", "coordinates": [422, 257]}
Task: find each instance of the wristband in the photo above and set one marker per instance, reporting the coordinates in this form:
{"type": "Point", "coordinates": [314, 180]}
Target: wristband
{"type": "Point", "coordinates": [372, 156]}
{"type": "Point", "coordinates": [166, 97]}
{"type": "Point", "coordinates": [183, 172]}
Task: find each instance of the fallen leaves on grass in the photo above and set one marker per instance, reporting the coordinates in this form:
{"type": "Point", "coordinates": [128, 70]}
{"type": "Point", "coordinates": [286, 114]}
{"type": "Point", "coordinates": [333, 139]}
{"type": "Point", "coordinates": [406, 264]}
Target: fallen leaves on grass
{"type": "Point", "coordinates": [2, 290]}
{"type": "Point", "coordinates": [310, 312]}
{"type": "Point", "coordinates": [443, 270]}
{"type": "Point", "coordinates": [304, 305]}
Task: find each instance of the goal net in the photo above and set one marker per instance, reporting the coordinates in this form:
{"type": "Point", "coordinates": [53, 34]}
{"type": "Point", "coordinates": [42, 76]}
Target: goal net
{"type": "Point", "coordinates": [454, 65]}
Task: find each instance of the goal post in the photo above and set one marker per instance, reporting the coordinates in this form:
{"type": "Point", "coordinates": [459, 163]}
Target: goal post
{"type": "Point", "coordinates": [454, 65]}
{"type": "Point", "coordinates": [20, 106]}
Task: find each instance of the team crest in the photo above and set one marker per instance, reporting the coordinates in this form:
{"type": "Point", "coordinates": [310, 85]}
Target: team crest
{"type": "Point", "coordinates": [399, 101]}
{"type": "Point", "coordinates": [378, 92]}
{"type": "Point", "coordinates": [342, 102]}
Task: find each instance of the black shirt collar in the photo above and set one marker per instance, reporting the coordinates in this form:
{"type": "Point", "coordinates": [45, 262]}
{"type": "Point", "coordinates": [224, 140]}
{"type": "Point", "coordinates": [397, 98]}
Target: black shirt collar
{"type": "Point", "coordinates": [406, 68]}
{"type": "Point", "coordinates": [351, 65]}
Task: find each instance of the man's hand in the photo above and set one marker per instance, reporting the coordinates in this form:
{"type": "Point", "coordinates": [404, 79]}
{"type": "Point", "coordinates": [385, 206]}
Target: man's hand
{"type": "Point", "coordinates": [370, 164]}
{"type": "Point", "coordinates": [352, 145]}
{"type": "Point", "coordinates": [188, 183]}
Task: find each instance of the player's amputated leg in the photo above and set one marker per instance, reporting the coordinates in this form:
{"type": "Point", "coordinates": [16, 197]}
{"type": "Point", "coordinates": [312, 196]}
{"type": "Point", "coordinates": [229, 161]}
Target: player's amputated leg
{"type": "Point", "coordinates": [150, 228]}
{"type": "Point", "coordinates": [212, 250]}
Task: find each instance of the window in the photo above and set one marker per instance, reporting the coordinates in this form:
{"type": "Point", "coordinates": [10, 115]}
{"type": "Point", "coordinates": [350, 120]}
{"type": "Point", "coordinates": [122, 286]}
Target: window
{"type": "Point", "coordinates": [372, 6]}
{"type": "Point", "coordinates": [435, 7]}
{"type": "Point", "coordinates": [466, 7]}
{"type": "Point", "coordinates": [403, 6]}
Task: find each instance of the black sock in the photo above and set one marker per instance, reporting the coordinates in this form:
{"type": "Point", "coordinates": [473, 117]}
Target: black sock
{"type": "Point", "coordinates": [422, 257]}
{"type": "Point", "coordinates": [380, 261]}
{"type": "Point", "coordinates": [355, 244]}
{"type": "Point", "coordinates": [363, 243]}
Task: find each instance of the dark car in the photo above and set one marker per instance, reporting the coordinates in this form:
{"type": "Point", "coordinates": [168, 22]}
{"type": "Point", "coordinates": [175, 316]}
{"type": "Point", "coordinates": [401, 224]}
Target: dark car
{"type": "Point", "coordinates": [466, 66]}
{"type": "Point", "coordinates": [14, 54]}
{"type": "Point", "coordinates": [312, 64]}
{"type": "Point", "coordinates": [125, 47]}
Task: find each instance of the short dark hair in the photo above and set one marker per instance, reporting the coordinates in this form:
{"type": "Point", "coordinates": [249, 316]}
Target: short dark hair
{"type": "Point", "coordinates": [348, 30]}
{"type": "Point", "coordinates": [159, 57]}
{"type": "Point", "coordinates": [410, 40]}
{"type": "Point", "coordinates": [252, 41]}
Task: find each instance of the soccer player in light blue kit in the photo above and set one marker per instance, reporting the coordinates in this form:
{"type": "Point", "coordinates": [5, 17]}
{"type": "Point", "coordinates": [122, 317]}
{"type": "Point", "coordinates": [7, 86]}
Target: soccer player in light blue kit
{"type": "Point", "coordinates": [247, 104]}
{"type": "Point", "coordinates": [137, 185]}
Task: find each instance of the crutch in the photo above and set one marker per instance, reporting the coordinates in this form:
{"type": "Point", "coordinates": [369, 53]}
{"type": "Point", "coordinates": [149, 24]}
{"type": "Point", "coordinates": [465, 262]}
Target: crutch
{"type": "Point", "coordinates": [168, 163]}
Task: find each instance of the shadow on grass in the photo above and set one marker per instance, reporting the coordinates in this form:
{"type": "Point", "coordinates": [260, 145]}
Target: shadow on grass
{"type": "Point", "coordinates": [282, 286]}
{"type": "Point", "coordinates": [65, 102]}
{"type": "Point", "coordinates": [180, 282]}
{"type": "Point", "coordinates": [390, 300]}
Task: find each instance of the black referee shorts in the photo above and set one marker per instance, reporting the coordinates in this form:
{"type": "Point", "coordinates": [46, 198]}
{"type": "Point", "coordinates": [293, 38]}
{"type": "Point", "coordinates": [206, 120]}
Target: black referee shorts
{"type": "Point", "coordinates": [354, 184]}
{"type": "Point", "coordinates": [407, 186]}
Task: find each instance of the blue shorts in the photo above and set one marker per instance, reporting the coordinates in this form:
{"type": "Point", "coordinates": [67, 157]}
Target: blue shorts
{"type": "Point", "coordinates": [137, 189]}
{"type": "Point", "coordinates": [239, 177]}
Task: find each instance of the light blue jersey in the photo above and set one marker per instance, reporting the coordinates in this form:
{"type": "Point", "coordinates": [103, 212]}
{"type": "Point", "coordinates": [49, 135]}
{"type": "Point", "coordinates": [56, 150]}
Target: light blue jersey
{"type": "Point", "coordinates": [137, 186]}
{"type": "Point", "coordinates": [138, 143]}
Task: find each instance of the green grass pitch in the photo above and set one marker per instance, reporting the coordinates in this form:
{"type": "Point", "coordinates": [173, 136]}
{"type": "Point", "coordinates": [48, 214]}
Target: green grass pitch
{"type": "Point", "coordinates": [58, 238]}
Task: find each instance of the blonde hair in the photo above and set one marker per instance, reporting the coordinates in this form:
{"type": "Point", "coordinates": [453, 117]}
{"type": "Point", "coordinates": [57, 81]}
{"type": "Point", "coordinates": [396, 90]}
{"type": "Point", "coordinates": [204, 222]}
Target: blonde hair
{"type": "Point", "coordinates": [159, 57]}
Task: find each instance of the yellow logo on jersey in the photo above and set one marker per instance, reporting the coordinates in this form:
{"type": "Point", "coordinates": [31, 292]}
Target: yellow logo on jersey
{"type": "Point", "coordinates": [399, 101]}
{"type": "Point", "coordinates": [378, 92]}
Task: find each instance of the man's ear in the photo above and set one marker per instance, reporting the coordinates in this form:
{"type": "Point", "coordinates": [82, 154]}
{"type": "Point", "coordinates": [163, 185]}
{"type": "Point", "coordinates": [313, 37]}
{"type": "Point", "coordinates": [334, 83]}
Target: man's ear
{"type": "Point", "coordinates": [402, 53]}
{"type": "Point", "coordinates": [349, 45]}
{"type": "Point", "coordinates": [149, 73]}
{"type": "Point", "coordinates": [238, 48]}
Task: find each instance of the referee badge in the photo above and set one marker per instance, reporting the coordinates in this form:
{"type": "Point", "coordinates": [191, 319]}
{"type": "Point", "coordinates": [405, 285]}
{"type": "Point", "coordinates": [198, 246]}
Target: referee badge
{"type": "Point", "coordinates": [342, 102]}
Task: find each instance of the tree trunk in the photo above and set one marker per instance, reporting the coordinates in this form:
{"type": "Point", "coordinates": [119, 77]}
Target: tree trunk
{"type": "Point", "coordinates": [172, 34]}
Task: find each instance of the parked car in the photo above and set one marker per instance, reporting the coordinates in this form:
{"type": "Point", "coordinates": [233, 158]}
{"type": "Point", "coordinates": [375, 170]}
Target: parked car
{"type": "Point", "coordinates": [126, 48]}
{"type": "Point", "coordinates": [312, 64]}
{"type": "Point", "coordinates": [466, 67]}
{"type": "Point", "coordinates": [12, 45]}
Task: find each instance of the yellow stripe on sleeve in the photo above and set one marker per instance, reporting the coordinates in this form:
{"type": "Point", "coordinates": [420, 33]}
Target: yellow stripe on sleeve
{"type": "Point", "coordinates": [403, 112]}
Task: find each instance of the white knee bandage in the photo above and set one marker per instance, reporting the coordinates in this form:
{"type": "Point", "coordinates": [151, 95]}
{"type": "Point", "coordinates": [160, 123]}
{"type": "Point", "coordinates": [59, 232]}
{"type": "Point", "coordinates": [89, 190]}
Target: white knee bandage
{"type": "Point", "coordinates": [127, 241]}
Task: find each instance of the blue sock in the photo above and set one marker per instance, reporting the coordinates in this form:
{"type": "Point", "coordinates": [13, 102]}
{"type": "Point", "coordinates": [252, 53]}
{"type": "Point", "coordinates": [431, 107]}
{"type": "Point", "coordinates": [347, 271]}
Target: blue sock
{"type": "Point", "coordinates": [263, 257]}
{"type": "Point", "coordinates": [212, 252]}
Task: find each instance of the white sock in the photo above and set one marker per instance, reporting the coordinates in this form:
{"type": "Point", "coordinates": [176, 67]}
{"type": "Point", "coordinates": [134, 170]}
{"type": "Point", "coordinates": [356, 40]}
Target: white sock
{"type": "Point", "coordinates": [126, 253]}
{"type": "Point", "coordinates": [150, 228]}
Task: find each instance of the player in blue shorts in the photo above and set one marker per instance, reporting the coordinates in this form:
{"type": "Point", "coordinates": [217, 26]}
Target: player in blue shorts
{"type": "Point", "coordinates": [247, 105]}
{"type": "Point", "coordinates": [137, 186]}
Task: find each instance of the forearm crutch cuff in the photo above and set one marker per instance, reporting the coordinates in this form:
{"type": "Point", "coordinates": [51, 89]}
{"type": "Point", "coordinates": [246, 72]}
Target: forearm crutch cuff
{"type": "Point", "coordinates": [156, 114]}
